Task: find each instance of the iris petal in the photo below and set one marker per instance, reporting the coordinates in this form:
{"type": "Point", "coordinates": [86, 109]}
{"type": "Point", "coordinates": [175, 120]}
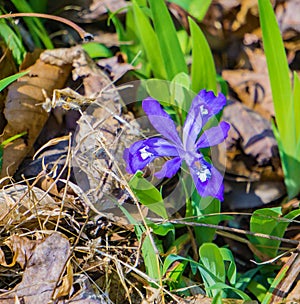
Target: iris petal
{"type": "Point", "coordinates": [192, 127]}
{"type": "Point", "coordinates": [208, 180]}
{"type": "Point", "coordinates": [160, 120]}
{"type": "Point", "coordinates": [213, 136]}
{"type": "Point", "coordinates": [211, 104]}
{"type": "Point", "coordinates": [169, 168]}
{"type": "Point", "coordinates": [142, 152]}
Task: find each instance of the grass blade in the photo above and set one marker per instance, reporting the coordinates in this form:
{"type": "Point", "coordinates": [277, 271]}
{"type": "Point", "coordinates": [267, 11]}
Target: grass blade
{"type": "Point", "coordinates": [8, 80]}
{"type": "Point", "coordinates": [13, 41]}
{"type": "Point", "coordinates": [203, 68]}
{"type": "Point", "coordinates": [35, 26]}
{"type": "Point", "coordinates": [279, 75]}
{"type": "Point", "coordinates": [150, 42]}
{"type": "Point", "coordinates": [296, 101]}
{"type": "Point", "coordinates": [168, 40]}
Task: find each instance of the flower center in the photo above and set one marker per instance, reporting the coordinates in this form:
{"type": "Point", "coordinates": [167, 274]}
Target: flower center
{"type": "Point", "coordinates": [145, 154]}
{"type": "Point", "coordinates": [203, 110]}
{"type": "Point", "coordinates": [202, 171]}
{"type": "Point", "coordinates": [204, 174]}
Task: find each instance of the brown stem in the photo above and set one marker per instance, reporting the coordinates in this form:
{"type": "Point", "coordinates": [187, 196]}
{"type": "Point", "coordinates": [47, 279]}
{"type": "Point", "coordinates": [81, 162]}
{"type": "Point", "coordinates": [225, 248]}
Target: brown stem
{"type": "Point", "coordinates": [82, 33]}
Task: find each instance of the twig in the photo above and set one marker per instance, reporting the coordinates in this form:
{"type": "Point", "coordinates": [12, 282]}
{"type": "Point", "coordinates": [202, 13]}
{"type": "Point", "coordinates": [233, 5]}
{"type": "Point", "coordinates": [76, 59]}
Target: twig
{"type": "Point", "coordinates": [82, 33]}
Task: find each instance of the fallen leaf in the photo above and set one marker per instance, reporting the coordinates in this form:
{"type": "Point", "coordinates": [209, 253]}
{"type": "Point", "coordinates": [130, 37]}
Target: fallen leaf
{"type": "Point", "coordinates": [22, 249]}
{"type": "Point", "coordinates": [286, 287]}
{"type": "Point", "coordinates": [23, 110]}
{"type": "Point", "coordinates": [7, 68]}
{"type": "Point", "coordinates": [251, 132]}
{"type": "Point", "coordinates": [253, 87]}
{"type": "Point", "coordinates": [252, 163]}
{"type": "Point", "coordinates": [116, 66]}
{"type": "Point", "coordinates": [20, 204]}
{"type": "Point", "coordinates": [101, 7]}
{"type": "Point", "coordinates": [42, 272]}
{"type": "Point", "coordinates": [103, 132]}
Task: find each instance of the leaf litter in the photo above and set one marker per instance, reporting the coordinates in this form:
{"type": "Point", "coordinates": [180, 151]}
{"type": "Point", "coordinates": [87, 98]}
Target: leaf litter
{"type": "Point", "coordinates": [54, 242]}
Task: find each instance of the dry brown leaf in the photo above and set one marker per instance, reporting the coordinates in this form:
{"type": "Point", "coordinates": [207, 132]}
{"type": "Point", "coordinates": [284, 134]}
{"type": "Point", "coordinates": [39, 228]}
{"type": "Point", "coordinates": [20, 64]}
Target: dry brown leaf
{"type": "Point", "coordinates": [251, 132]}
{"type": "Point", "coordinates": [22, 249]}
{"type": "Point", "coordinates": [101, 7]}
{"type": "Point", "coordinates": [7, 68]}
{"type": "Point", "coordinates": [253, 87]}
{"type": "Point", "coordinates": [246, 5]}
{"type": "Point", "coordinates": [19, 204]}
{"type": "Point", "coordinates": [42, 272]}
{"type": "Point", "coordinates": [116, 66]}
{"type": "Point", "coordinates": [23, 110]}
{"type": "Point", "coordinates": [252, 164]}
{"type": "Point", "coordinates": [103, 131]}
{"type": "Point", "coordinates": [283, 289]}
{"type": "Point", "coordinates": [67, 282]}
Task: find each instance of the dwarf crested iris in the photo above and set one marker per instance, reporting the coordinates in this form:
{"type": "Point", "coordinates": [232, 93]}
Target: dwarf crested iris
{"type": "Point", "coordinates": [207, 179]}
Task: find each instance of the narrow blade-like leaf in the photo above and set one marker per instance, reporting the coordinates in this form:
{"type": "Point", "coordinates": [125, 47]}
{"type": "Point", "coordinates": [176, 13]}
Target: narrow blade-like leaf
{"type": "Point", "coordinates": [278, 74]}
{"type": "Point", "coordinates": [150, 42]}
{"type": "Point", "coordinates": [168, 40]}
{"type": "Point", "coordinates": [296, 101]}
{"type": "Point", "coordinates": [203, 68]}
{"type": "Point", "coordinates": [13, 41]}
{"type": "Point", "coordinates": [8, 80]}
{"type": "Point", "coordinates": [35, 26]}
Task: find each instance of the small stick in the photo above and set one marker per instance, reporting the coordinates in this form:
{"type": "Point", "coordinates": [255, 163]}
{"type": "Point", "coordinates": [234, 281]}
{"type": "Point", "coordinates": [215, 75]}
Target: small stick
{"type": "Point", "coordinates": [82, 33]}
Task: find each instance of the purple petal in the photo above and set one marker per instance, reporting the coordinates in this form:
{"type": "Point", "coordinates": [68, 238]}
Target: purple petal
{"type": "Point", "coordinates": [142, 152]}
{"type": "Point", "coordinates": [192, 127]}
{"type": "Point", "coordinates": [207, 179]}
{"type": "Point", "coordinates": [211, 104]}
{"type": "Point", "coordinates": [213, 136]}
{"type": "Point", "coordinates": [160, 120]}
{"type": "Point", "coordinates": [170, 168]}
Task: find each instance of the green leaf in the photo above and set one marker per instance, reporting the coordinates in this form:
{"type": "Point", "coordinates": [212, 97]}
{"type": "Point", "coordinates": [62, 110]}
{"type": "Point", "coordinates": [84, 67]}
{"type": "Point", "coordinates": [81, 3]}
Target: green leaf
{"type": "Point", "coordinates": [268, 221]}
{"type": "Point", "coordinates": [217, 298]}
{"type": "Point", "coordinates": [231, 271]}
{"type": "Point", "coordinates": [13, 41]}
{"type": "Point", "coordinates": [161, 229]}
{"type": "Point", "coordinates": [222, 286]}
{"type": "Point", "coordinates": [278, 279]}
{"type": "Point", "coordinates": [169, 45]}
{"type": "Point", "coordinates": [174, 274]}
{"type": "Point", "coordinates": [207, 207]}
{"type": "Point", "coordinates": [159, 90]}
{"type": "Point", "coordinates": [212, 261]}
{"type": "Point", "coordinates": [150, 258]}
{"type": "Point", "coordinates": [257, 289]}
{"type": "Point", "coordinates": [96, 50]}
{"type": "Point", "coordinates": [196, 8]}
{"type": "Point", "coordinates": [39, 6]}
{"type": "Point", "coordinates": [10, 79]}
{"type": "Point", "coordinates": [147, 194]}
{"type": "Point", "coordinates": [279, 75]}
{"type": "Point", "coordinates": [203, 71]}
{"type": "Point", "coordinates": [170, 259]}
{"type": "Point", "coordinates": [285, 104]}
{"type": "Point", "coordinates": [296, 101]}
{"type": "Point", "coordinates": [35, 26]}
{"type": "Point", "coordinates": [150, 42]}
{"type": "Point", "coordinates": [223, 84]}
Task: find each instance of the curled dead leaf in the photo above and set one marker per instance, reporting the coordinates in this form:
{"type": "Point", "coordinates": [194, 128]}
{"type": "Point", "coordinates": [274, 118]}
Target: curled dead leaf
{"type": "Point", "coordinates": [47, 260]}
{"type": "Point", "coordinates": [20, 204]}
{"type": "Point", "coordinates": [23, 110]}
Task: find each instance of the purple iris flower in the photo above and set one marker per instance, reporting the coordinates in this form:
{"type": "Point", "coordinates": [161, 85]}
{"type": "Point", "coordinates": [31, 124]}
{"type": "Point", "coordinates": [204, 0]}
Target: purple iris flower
{"type": "Point", "coordinates": [207, 179]}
